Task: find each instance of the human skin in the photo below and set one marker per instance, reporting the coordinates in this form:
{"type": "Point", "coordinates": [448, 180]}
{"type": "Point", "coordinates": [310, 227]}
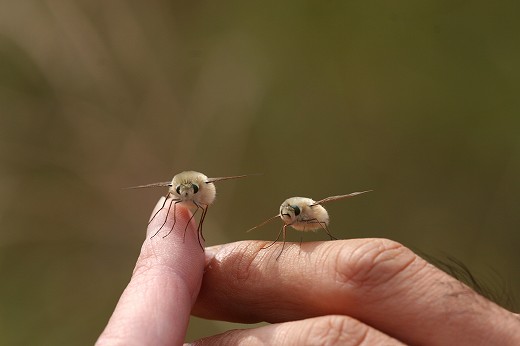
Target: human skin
{"type": "Point", "coordinates": [155, 307]}
{"type": "Point", "coordinates": [348, 292]}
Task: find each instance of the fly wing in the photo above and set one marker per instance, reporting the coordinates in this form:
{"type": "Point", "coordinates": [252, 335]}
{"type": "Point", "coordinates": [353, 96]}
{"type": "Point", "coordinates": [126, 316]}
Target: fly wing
{"type": "Point", "coordinates": [165, 183]}
{"type": "Point", "coordinates": [212, 180]}
{"type": "Point", "coordinates": [334, 198]}
{"type": "Point", "coordinates": [264, 223]}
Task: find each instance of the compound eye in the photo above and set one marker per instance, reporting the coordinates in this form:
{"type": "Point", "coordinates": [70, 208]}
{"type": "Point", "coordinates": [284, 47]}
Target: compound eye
{"type": "Point", "coordinates": [296, 210]}
{"type": "Point", "coordinates": [178, 189]}
{"type": "Point", "coordinates": [195, 188]}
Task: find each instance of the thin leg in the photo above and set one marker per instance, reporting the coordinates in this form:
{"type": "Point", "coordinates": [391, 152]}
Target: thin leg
{"type": "Point", "coordinates": [187, 223]}
{"type": "Point", "coordinates": [202, 218]}
{"type": "Point", "coordinates": [157, 212]}
{"type": "Point", "coordinates": [199, 229]}
{"type": "Point", "coordinates": [165, 218]}
{"type": "Point", "coordinates": [174, 218]}
{"type": "Point", "coordinates": [283, 244]}
{"type": "Point", "coordinates": [324, 226]}
{"type": "Point", "coordinates": [278, 237]}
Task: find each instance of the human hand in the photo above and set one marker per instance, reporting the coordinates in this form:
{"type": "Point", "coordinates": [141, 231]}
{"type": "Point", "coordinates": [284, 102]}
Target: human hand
{"type": "Point", "coordinates": [349, 292]}
{"type": "Point", "coordinates": [155, 307]}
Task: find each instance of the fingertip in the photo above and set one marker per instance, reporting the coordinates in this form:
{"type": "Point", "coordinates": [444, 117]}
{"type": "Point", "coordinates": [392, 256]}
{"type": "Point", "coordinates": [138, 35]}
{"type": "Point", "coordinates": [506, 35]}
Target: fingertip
{"type": "Point", "coordinates": [158, 206]}
{"type": "Point", "coordinates": [156, 305]}
{"type": "Point", "coordinates": [173, 235]}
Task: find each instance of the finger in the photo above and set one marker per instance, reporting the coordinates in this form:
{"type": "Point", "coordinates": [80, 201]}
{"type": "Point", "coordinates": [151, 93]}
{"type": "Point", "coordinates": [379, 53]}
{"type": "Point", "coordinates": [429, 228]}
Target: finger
{"type": "Point", "coordinates": [376, 281]}
{"type": "Point", "coordinates": [324, 330]}
{"type": "Point", "coordinates": [155, 307]}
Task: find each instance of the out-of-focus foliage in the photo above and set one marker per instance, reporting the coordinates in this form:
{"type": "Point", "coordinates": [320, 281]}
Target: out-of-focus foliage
{"type": "Point", "coordinates": [417, 100]}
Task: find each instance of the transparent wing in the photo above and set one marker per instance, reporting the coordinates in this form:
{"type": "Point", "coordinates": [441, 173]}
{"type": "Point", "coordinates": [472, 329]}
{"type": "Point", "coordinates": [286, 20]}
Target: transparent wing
{"type": "Point", "coordinates": [335, 198]}
{"type": "Point", "coordinates": [212, 180]}
{"type": "Point", "coordinates": [264, 223]}
{"type": "Point", "coordinates": [165, 183]}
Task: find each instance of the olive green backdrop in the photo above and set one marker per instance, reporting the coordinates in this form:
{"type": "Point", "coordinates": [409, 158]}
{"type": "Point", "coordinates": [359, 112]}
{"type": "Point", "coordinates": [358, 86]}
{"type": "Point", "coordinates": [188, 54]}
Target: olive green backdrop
{"type": "Point", "coordinates": [418, 101]}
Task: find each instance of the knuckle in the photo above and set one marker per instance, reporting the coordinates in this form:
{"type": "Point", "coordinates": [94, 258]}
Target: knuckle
{"type": "Point", "coordinates": [335, 330]}
{"type": "Point", "coordinates": [373, 263]}
{"type": "Point", "coordinates": [143, 266]}
{"type": "Point", "coordinates": [231, 337]}
{"type": "Point", "coordinates": [244, 255]}
{"type": "Point", "coordinates": [148, 267]}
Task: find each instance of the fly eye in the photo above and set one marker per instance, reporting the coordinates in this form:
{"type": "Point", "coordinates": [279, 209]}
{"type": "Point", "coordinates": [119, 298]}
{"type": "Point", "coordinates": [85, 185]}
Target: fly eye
{"type": "Point", "coordinates": [178, 189]}
{"type": "Point", "coordinates": [195, 188]}
{"type": "Point", "coordinates": [296, 210]}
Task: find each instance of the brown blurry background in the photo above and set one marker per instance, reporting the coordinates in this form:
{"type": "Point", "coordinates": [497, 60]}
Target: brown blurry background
{"type": "Point", "coordinates": [418, 101]}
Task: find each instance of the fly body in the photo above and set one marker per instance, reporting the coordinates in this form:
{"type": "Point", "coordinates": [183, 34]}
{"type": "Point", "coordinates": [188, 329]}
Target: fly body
{"type": "Point", "coordinates": [192, 189]}
{"type": "Point", "coordinates": [304, 214]}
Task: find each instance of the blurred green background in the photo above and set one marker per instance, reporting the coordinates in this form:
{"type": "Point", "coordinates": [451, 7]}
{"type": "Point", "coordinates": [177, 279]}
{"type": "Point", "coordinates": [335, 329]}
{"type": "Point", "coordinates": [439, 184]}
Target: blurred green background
{"type": "Point", "coordinates": [418, 101]}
